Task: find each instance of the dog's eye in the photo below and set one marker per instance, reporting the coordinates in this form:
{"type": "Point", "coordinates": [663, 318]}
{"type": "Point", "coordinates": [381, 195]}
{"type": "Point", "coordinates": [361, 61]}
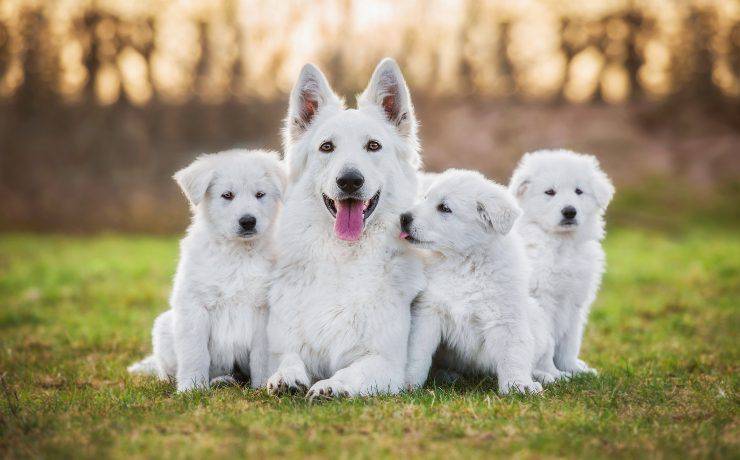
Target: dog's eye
{"type": "Point", "coordinates": [227, 196]}
{"type": "Point", "coordinates": [579, 191]}
{"type": "Point", "coordinates": [443, 208]}
{"type": "Point", "coordinates": [550, 192]}
{"type": "Point", "coordinates": [259, 195]}
{"type": "Point", "coordinates": [327, 147]}
{"type": "Point", "coordinates": [373, 146]}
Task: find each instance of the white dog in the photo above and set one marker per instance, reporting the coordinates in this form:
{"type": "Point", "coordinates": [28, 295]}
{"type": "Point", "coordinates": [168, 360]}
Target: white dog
{"type": "Point", "coordinates": [219, 298]}
{"type": "Point", "coordinates": [476, 307]}
{"type": "Point", "coordinates": [339, 303]}
{"type": "Point", "coordinates": [564, 196]}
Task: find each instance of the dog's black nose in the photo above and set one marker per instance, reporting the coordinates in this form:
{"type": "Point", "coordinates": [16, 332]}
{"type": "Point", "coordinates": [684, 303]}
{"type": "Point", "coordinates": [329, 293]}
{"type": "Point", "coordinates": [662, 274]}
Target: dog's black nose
{"type": "Point", "coordinates": [568, 212]}
{"type": "Point", "coordinates": [406, 219]}
{"type": "Point", "coordinates": [350, 181]}
{"type": "Point", "coordinates": [247, 222]}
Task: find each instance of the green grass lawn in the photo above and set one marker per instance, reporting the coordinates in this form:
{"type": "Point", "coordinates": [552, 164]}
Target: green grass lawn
{"type": "Point", "coordinates": [75, 311]}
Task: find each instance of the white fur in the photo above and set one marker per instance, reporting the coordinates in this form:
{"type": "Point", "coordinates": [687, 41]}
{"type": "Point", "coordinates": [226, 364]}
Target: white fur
{"type": "Point", "coordinates": [475, 310]}
{"type": "Point", "coordinates": [567, 261]}
{"type": "Point", "coordinates": [218, 305]}
{"type": "Point", "coordinates": [339, 310]}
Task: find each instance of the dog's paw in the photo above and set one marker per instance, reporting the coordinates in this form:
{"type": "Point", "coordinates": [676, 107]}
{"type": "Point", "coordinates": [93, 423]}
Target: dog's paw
{"type": "Point", "coordinates": [328, 389]}
{"type": "Point", "coordinates": [185, 385]}
{"type": "Point", "coordinates": [543, 377]}
{"type": "Point", "coordinates": [578, 367]}
{"type": "Point", "coordinates": [287, 380]}
{"type": "Point", "coordinates": [224, 381]}
{"type": "Point", "coordinates": [520, 386]}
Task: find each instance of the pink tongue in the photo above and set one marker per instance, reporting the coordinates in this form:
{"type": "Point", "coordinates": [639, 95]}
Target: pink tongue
{"type": "Point", "coordinates": [348, 224]}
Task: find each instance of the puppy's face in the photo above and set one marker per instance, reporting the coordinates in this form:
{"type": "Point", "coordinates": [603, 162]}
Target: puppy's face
{"type": "Point", "coordinates": [459, 211]}
{"type": "Point", "coordinates": [237, 193]}
{"type": "Point", "coordinates": [562, 192]}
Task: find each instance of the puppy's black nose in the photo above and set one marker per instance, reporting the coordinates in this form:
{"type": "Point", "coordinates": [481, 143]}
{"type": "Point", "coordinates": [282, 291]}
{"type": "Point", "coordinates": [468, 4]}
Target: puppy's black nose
{"type": "Point", "coordinates": [350, 181]}
{"type": "Point", "coordinates": [247, 222]}
{"type": "Point", "coordinates": [406, 219]}
{"type": "Point", "coordinates": [569, 212]}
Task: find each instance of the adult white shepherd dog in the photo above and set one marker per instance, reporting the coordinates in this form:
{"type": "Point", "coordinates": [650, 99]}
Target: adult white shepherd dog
{"type": "Point", "coordinates": [339, 302]}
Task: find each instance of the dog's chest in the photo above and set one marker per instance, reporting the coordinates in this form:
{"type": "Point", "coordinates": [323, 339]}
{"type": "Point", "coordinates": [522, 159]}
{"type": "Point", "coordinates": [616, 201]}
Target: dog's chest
{"type": "Point", "coordinates": [563, 276]}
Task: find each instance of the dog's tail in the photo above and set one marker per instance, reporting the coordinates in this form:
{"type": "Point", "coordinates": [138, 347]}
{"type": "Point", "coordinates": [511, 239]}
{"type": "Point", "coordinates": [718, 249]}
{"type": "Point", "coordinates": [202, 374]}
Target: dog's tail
{"type": "Point", "coordinates": [147, 366]}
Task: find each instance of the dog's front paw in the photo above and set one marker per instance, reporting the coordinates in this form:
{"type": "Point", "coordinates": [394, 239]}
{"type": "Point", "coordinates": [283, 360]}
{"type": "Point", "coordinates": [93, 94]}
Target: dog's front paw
{"type": "Point", "coordinates": [289, 380]}
{"type": "Point", "coordinates": [328, 389]}
{"type": "Point", "coordinates": [543, 377]}
{"type": "Point", "coordinates": [520, 386]}
{"type": "Point", "coordinates": [578, 367]}
{"type": "Point", "coordinates": [223, 381]}
{"type": "Point", "coordinates": [190, 384]}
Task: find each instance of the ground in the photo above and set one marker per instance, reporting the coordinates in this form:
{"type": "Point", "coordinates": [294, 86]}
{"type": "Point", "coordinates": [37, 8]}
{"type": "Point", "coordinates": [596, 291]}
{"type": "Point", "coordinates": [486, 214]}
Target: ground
{"type": "Point", "coordinates": [75, 311]}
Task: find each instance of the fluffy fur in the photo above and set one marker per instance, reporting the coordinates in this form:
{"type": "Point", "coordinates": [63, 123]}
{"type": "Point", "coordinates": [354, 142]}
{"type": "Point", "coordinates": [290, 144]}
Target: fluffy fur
{"type": "Point", "coordinates": [564, 196]}
{"type": "Point", "coordinates": [475, 312]}
{"type": "Point", "coordinates": [218, 305]}
{"type": "Point", "coordinates": [339, 303]}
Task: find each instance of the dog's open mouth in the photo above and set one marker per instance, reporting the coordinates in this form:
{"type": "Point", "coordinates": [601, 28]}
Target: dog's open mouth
{"type": "Point", "coordinates": [350, 215]}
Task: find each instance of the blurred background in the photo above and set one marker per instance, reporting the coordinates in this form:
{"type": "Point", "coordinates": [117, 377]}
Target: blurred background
{"type": "Point", "coordinates": [101, 101]}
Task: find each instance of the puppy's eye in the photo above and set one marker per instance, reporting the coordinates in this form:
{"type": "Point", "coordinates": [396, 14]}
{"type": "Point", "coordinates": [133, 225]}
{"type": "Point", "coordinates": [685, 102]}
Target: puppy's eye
{"type": "Point", "coordinates": [443, 208]}
{"type": "Point", "coordinates": [550, 192]}
{"type": "Point", "coordinates": [259, 195]}
{"type": "Point", "coordinates": [579, 191]}
{"type": "Point", "coordinates": [373, 146]}
{"type": "Point", "coordinates": [227, 196]}
{"type": "Point", "coordinates": [327, 147]}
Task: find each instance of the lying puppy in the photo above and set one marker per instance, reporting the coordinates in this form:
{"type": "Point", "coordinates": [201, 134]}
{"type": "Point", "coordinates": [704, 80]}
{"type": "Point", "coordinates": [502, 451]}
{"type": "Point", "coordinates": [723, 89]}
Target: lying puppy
{"type": "Point", "coordinates": [476, 305]}
{"type": "Point", "coordinates": [219, 298]}
{"type": "Point", "coordinates": [563, 196]}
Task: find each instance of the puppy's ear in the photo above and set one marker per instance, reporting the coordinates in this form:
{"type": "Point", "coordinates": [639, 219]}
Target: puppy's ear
{"type": "Point", "coordinates": [498, 210]}
{"type": "Point", "coordinates": [387, 89]}
{"type": "Point", "coordinates": [195, 179]}
{"type": "Point", "coordinates": [280, 176]}
{"type": "Point", "coordinates": [520, 180]}
{"type": "Point", "coordinates": [602, 185]}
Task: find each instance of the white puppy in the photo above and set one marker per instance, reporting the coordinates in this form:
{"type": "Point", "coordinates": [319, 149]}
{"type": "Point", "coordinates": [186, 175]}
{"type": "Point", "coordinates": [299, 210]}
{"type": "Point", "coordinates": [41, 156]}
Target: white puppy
{"type": "Point", "coordinates": [564, 196]}
{"type": "Point", "coordinates": [219, 298]}
{"type": "Point", "coordinates": [476, 305]}
{"type": "Point", "coordinates": [339, 302]}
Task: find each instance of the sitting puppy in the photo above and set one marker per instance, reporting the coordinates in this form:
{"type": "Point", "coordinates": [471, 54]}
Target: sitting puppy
{"type": "Point", "coordinates": [563, 196]}
{"type": "Point", "coordinates": [219, 298]}
{"type": "Point", "coordinates": [476, 305]}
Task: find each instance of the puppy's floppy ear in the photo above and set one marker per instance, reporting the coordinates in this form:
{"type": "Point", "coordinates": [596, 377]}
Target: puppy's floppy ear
{"type": "Point", "coordinates": [195, 179]}
{"type": "Point", "coordinates": [602, 185]}
{"type": "Point", "coordinates": [520, 179]}
{"type": "Point", "coordinates": [497, 209]}
{"type": "Point", "coordinates": [279, 175]}
{"type": "Point", "coordinates": [387, 89]}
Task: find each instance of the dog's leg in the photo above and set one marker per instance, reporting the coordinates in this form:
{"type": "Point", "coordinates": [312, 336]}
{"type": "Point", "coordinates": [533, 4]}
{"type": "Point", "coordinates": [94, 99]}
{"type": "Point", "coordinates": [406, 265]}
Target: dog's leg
{"type": "Point", "coordinates": [510, 346]}
{"type": "Point", "coordinates": [371, 374]}
{"type": "Point", "coordinates": [192, 330]}
{"type": "Point", "coordinates": [290, 377]}
{"type": "Point", "coordinates": [568, 349]}
{"type": "Point", "coordinates": [258, 354]}
{"type": "Point", "coordinates": [424, 339]}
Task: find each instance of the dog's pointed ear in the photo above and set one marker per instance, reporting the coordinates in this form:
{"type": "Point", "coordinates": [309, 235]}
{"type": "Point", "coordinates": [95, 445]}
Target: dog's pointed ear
{"type": "Point", "coordinates": [497, 209]}
{"type": "Point", "coordinates": [602, 185]}
{"type": "Point", "coordinates": [195, 179]}
{"type": "Point", "coordinates": [310, 95]}
{"type": "Point", "coordinates": [387, 89]}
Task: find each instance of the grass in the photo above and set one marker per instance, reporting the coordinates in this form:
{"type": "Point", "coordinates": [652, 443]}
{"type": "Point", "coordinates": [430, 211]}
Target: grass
{"type": "Point", "coordinates": [75, 311]}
